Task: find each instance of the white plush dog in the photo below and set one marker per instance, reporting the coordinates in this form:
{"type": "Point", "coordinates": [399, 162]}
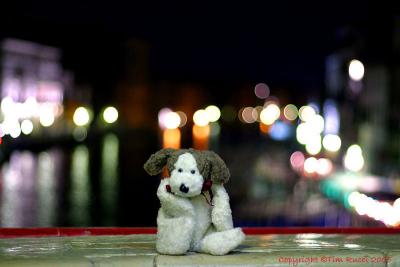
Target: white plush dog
{"type": "Point", "coordinates": [195, 214]}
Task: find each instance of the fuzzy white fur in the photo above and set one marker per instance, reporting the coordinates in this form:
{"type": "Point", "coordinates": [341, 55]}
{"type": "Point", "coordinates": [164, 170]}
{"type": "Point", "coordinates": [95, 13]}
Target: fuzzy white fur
{"type": "Point", "coordinates": [186, 222]}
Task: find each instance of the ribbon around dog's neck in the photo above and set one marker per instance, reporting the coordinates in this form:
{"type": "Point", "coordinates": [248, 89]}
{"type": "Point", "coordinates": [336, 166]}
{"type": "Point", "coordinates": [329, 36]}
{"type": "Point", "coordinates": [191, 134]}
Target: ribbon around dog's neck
{"type": "Point", "coordinates": [206, 188]}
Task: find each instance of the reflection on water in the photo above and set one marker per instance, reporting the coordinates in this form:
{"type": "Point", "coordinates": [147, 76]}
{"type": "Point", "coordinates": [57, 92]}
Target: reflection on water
{"type": "Point", "coordinates": [109, 177]}
{"type": "Point", "coordinates": [28, 193]}
{"type": "Point", "coordinates": [72, 187]}
{"type": "Point", "coordinates": [102, 183]}
{"type": "Point", "coordinates": [79, 196]}
{"type": "Point", "coordinates": [18, 190]}
{"type": "Point", "coordinates": [48, 180]}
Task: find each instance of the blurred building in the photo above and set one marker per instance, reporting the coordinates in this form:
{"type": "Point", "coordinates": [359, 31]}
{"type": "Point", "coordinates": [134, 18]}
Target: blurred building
{"type": "Point", "coordinates": [363, 86]}
{"type": "Point", "coordinates": [32, 87]}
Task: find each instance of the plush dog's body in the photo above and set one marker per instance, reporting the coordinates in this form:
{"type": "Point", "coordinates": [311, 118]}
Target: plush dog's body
{"type": "Point", "coordinates": [187, 221]}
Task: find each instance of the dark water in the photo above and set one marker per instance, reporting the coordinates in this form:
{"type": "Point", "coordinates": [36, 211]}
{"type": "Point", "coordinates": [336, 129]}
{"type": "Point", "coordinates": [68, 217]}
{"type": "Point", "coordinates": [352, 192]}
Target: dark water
{"type": "Point", "coordinates": [101, 182]}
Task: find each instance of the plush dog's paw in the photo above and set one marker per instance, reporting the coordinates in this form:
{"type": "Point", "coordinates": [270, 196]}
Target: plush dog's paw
{"type": "Point", "coordinates": [174, 234]}
{"type": "Point", "coordinates": [221, 243]}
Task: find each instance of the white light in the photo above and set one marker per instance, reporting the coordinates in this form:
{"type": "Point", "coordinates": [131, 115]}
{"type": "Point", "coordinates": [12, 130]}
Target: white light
{"type": "Point", "coordinates": [213, 113]}
{"type": "Point", "coordinates": [26, 127]}
{"type": "Point", "coordinates": [304, 133]}
{"type": "Point", "coordinates": [7, 105]}
{"type": "Point", "coordinates": [324, 166]}
{"type": "Point", "coordinates": [110, 115]}
{"type": "Point", "coordinates": [356, 70]}
{"type": "Point", "coordinates": [200, 118]}
{"type": "Point", "coordinates": [332, 142]}
{"type": "Point", "coordinates": [81, 116]}
{"type": "Point", "coordinates": [316, 123]}
{"type": "Point", "coordinates": [306, 113]}
{"type": "Point", "coordinates": [353, 198]}
{"type": "Point", "coordinates": [29, 108]}
{"type": "Point", "coordinates": [313, 145]}
{"type": "Point", "coordinates": [353, 159]}
{"type": "Point", "coordinates": [172, 120]}
{"type": "Point", "coordinates": [270, 114]}
{"type": "Point", "coordinates": [354, 150]}
{"type": "Point", "coordinates": [46, 119]}
{"type": "Point", "coordinates": [310, 165]}
{"type": "Point", "coordinates": [396, 204]}
{"type": "Point", "coordinates": [161, 117]}
{"type": "Point", "coordinates": [15, 129]}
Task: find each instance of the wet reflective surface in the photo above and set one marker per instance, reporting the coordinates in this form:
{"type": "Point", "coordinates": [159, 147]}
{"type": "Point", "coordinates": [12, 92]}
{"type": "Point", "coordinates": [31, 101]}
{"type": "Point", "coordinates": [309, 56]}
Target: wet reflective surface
{"type": "Point", "coordinates": [260, 250]}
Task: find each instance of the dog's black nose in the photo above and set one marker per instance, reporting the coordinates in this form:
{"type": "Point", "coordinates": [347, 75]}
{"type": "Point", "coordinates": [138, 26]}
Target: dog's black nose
{"type": "Point", "coordinates": [183, 188]}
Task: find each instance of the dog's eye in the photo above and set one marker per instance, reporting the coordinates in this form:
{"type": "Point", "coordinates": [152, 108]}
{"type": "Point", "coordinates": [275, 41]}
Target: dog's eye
{"type": "Point", "coordinates": [180, 170]}
{"type": "Point", "coordinates": [193, 171]}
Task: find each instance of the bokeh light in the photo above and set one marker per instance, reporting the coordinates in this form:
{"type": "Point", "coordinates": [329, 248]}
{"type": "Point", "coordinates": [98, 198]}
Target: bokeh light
{"type": "Point", "coordinates": [313, 145]}
{"type": "Point", "coordinates": [290, 112]}
{"type": "Point", "coordinates": [310, 165]}
{"type": "Point", "coordinates": [161, 117]}
{"type": "Point", "coordinates": [261, 90]}
{"type": "Point", "coordinates": [306, 113]}
{"type": "Point", "coordinates": [172, 120]}
{"type": "Point", "coordinates": [280, 130]}
{"type": "Point", "coordinates": [14, 129]}
{"type": "Point", "coordinates": [256, 113]}
{"type": "Point", "coordinates": [247, 115]}
{"type": "Point", "coordinates": [332, 142]}
{"type": "Point", "coordinates": [324, 167]}
{"type": "Point", "coordinates": [297, 160]}
{"type": "Point", "coordinates": [304, 133]}
{"type": "Point", "coordinates": [270, 114]}
{"type": "Point", "coordinates": [81, 116]}
{"type": "Point", "coordinates": [183, 118]}
{"type": "Point", "coordinates": [200, 118]}
{"type": "Point", "coordinates": [46, 119]}
{"type": "Point", "coordinates": [356, 70]}
{"type": "Point", "coordinates": [110, 114]}
{"type": "Point", "coordinates": [316, 123]}
{"type": "Point", "coordinates": [353, 159]}
{"type": "Point", "coordinates": [213, 113]}
{"type": "Point", "coordinates": [26, 127]}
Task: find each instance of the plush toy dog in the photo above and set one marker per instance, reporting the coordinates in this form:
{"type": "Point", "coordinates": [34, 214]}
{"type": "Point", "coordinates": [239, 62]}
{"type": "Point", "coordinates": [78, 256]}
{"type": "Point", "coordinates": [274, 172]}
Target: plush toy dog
{"type": "Point", "coordinates": [195, 214]}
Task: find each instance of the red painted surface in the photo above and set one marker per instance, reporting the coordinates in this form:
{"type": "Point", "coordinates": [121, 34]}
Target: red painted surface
{"type": "Point", "coordinates": [94, 231]}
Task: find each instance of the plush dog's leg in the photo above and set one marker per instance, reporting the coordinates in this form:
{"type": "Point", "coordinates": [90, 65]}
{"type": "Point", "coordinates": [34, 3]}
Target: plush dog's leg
{"type": "Point", "coordinates": [221, 238]}
{"type": "Point", "coordinates": [175, 223]}
{"type": "Point", "coordinates": [221, 243]}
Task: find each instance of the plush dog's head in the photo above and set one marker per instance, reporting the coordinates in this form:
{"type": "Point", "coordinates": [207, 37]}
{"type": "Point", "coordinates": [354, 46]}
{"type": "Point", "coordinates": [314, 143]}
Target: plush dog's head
{"type": "Point", "coordinates": [189, 169]}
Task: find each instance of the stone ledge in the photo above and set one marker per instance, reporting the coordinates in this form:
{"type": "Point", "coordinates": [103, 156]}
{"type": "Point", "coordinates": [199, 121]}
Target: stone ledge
{"type": "Point", "coordinates": [257, 250]}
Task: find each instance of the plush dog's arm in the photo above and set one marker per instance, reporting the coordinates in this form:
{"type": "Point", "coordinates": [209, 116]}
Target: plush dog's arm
{"type": "Point", "coordinates": [221, 214]}
{"type": "Point", "coordinates": [173, 205]}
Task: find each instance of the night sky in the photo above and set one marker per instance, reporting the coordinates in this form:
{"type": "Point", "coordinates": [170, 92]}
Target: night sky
{"type": "Point", "coordinates": [278, 42]}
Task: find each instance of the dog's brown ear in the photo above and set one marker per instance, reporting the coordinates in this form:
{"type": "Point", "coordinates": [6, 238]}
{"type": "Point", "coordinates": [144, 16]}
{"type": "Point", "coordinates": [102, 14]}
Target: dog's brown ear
{"type": "Point", "coordinates": [219, 172]}
{"type": "Point", "coordinates": [157, 161]}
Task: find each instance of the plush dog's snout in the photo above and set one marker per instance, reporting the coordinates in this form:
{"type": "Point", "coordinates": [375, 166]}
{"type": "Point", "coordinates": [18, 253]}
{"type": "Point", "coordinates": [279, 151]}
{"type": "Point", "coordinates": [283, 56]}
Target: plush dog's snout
{"type": "Point", "coordinates": [183, 188]}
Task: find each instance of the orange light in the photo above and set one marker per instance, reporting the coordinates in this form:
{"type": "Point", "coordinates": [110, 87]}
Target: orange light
{"type": "Point", "coordinates": [171, 138]}
{"type": "Point", "coordinates": [264, 128]}
{"type": "Point", "coordinates": [200, 136]}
